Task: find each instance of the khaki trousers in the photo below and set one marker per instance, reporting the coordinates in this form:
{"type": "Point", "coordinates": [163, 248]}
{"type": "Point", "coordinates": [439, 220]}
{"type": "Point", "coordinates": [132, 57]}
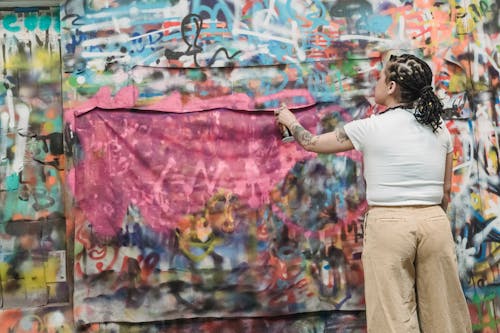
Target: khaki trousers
{"type": "Point", "coordinates": [411, 276]}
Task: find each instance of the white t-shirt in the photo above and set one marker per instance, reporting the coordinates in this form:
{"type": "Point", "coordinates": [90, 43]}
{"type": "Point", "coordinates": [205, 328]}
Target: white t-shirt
{"type": "Point", "coordinates": [404, 161]}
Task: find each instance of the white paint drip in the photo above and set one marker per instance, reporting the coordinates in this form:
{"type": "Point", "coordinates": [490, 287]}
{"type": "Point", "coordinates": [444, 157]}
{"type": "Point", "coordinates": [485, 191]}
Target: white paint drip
{"type": "Point", "coordinates": [10, 108]}
{"type": "Point", "coordinates": [116, 25]}
{"type": "Point", "coordinates": [465, 257]}
{"type": "Point", "coordinates": [237, 18]}
{"type": "Point", "coordinates": [401, 31]}
{"type": "Point", "coordinates": [23, 112]}
{"type": "Point", "coordinates": [295, 37]}
{"type": "Point", "coordinates": [270, 13]}
{"type": "Point", "coordinates": [475, 63]}
{"type": "Point", "coordinates": [4, 119]}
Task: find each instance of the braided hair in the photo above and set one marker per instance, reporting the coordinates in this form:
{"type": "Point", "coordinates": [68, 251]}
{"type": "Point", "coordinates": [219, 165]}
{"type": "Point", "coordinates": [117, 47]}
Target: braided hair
{"type": "Point", "coordinates": [414, 77]}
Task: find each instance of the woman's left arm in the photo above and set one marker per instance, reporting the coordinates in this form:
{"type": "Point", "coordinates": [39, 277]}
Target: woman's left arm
{"type": "Point", "coordinates": [447, 181]}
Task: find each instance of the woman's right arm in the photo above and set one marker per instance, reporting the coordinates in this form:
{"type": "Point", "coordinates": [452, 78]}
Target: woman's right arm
{"type": "Point", "coordinates": [331, 142]}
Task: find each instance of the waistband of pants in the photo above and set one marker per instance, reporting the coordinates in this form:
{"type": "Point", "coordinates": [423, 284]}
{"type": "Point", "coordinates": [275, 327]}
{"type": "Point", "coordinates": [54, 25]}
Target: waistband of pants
{"type": "Point", "coordinates": [402, 207]}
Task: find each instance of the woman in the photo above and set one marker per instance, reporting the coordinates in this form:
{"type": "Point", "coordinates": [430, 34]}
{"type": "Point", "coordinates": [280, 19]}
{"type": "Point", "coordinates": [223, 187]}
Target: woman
{"type": "Point", "coordinates": [409, 261]}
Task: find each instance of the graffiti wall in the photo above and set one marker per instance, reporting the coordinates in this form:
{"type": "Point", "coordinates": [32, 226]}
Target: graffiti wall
{"type": "Point", "coordinates": [180, 197]}
{"type": "Point", "coordinates": [32, 162]}
{"type": "Point", "coordinates": [190, 205]}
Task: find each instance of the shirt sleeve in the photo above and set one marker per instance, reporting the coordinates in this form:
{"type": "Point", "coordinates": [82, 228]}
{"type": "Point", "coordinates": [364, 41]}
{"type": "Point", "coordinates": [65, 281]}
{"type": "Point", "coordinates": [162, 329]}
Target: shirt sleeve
{"type": "Point", "coordinates": [357, 131]}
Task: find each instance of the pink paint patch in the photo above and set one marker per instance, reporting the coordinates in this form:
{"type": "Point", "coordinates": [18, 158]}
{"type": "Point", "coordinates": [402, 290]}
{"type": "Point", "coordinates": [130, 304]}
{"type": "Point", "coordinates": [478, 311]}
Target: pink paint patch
{"type": "Point", "coordinates": [174, 102]}
{"type": "Point", "coordinates": [169, 164]}
{"type": "Point", "coordinates": [124, 98]}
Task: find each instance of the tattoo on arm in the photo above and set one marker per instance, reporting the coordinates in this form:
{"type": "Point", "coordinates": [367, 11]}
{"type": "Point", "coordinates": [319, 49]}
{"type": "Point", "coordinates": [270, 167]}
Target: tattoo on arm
{"type": "Point", "coordinates": [341, 135]}
{"type": "Point", "coordinates": [303, 136]}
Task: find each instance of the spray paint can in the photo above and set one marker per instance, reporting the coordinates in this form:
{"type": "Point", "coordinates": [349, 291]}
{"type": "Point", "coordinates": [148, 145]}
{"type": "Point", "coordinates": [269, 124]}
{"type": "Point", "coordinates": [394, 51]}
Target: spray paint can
{"type": "Point", "coordinates": [286, 135]}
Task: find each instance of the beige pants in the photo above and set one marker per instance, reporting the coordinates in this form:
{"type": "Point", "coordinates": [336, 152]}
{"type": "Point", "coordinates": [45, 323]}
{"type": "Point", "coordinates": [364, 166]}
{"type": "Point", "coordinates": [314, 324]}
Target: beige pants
{"type": "Point", "coordinates": [411, 277]}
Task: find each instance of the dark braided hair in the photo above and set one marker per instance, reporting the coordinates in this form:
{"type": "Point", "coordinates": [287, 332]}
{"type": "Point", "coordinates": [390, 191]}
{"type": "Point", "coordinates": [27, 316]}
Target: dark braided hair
{"type": "Point", "coordinates": [414, 78]}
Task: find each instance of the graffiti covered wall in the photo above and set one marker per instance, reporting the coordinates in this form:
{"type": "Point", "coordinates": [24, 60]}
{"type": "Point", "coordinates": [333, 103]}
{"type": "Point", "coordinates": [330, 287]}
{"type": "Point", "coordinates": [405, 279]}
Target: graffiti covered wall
{"type": "Point", "coordinates": [185, 202]}
{"type": "Point", "coordinates": [33, 230]}
{"type": "Point", "coordinates": [191, 206]}
{"type": "Point", "coordinates": [32, 162]}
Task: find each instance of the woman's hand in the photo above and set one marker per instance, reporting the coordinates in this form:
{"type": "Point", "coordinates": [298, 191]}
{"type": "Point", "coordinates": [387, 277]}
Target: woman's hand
{"type": "Point", "coordinates": [285, 116]}
{"type": "Point", "coordinates": [330, 142]}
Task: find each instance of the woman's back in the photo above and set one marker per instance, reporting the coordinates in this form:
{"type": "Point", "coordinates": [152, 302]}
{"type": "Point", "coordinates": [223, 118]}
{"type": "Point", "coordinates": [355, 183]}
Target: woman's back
{"type": "Point", "coordinates": [404, 161]}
